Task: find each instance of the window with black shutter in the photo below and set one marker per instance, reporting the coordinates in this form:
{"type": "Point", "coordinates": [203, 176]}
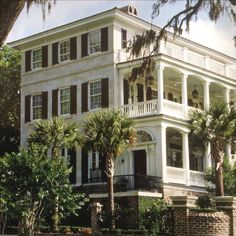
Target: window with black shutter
{"type": "Point", "coordinates": [73, 99]}
{"type": "Point", "coordinates": [105, 93]}
{"type": "Point", "coordinates": [55, 102]}
{"type": "Point", "coordinates": [140, 93]}
{"type": "Point", "coordinates": [27, 108]}
{"type": "Point", "coordinates": [126, 91]}
{"type": "Point", "coordinates": [28, 61]}
{"type": "Point", "coordinates": [73, 48]}
{"type": "Point", "coordinates": [84, 97]}
{"type": "Point", "coordinates": [44, 105]}
{"type": "Point", "coordinates": [84, 45]}
{"type": "Point", "coordinates": [45, 56]}
{"type": "Point", "coordinates": [104, 39]}
{"type": "Point", "coordinates": [55, 53]}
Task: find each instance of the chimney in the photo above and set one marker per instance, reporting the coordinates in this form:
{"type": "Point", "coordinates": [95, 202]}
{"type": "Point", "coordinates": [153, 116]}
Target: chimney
{"type": "Point", "coordinates": [130, 10]}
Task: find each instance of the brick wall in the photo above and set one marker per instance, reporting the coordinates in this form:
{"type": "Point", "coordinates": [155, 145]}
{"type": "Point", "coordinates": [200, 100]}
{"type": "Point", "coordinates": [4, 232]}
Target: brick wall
{"type": "Point", "coordinates": [188, 222]}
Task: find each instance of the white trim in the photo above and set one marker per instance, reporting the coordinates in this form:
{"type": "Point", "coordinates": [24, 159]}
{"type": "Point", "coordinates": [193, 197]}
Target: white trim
{"type": "Point", "coordinates": [128, 194]}
{"type": "Point", "coordinates": [59, 101]}
{"type": "Point", "coordinates": [65, 54]}
{"type": "Point", "coordinates": [32, 57]}
{"type": "Point", "coordinates": [31, 105]}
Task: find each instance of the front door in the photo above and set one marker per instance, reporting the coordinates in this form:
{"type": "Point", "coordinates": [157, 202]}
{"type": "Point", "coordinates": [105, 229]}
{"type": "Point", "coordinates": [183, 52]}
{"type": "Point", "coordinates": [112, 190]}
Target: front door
{"type": "Point", "coordinates": [140, 165]}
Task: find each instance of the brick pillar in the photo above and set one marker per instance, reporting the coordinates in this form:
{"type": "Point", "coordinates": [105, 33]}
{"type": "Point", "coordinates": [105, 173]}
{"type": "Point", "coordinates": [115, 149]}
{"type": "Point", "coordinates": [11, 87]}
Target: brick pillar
{"type": "Point", "coordinates": [181, 205]}
{"type": "Point", "coordinates": [96, 209]}
{"type": "Point", "coordinates": [228, 205]}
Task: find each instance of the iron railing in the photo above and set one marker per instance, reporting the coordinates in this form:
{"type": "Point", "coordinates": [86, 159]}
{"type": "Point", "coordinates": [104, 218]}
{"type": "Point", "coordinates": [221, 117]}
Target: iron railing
{"type": "Point", "coordinates": [123, 183]}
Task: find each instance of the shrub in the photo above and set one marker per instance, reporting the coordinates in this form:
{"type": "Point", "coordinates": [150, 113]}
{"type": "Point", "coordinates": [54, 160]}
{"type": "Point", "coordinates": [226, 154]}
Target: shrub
{"type": "Point", "coordinates": [206, 202]}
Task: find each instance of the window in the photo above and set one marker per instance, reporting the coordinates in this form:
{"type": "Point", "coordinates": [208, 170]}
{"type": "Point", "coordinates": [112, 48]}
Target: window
{"type": "Point", "coordinates": [64, 51]}
{"type": "Point", "coordinates": [36, 106]}
{"type": "Point", "coordinates": [95, 41]}
{"type": "Point", "coordinates": [64, 101]}
{"type": "Point", "coordinates": [36, 58]}
{"type": "Point", "coordinates": [123, 38]}
{"type": "Point", "coordinates": [96, 161]}
{"type": "Point", "coordinates": [95, 95]}
{"type": "Point", "coordinates": [154, 94]}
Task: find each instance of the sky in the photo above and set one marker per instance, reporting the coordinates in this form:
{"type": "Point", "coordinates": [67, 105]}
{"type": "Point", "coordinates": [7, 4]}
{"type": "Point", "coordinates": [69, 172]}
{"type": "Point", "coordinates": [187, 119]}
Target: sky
{"type": "Point", "coordinates": [218, 36]}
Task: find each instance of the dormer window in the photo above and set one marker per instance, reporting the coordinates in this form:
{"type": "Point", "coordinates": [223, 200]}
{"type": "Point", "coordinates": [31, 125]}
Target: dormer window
{"type": "Point", "coordinates": [37, 58]}
{"type": "Point", "coordinates": [95, 41]}
{"type": "Point", "coordinates": [64, 50]}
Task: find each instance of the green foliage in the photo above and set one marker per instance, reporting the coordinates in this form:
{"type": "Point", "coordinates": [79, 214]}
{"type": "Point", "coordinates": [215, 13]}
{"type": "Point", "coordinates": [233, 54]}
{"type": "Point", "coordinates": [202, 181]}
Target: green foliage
{"type": "Point", "coordinates": [30, 181]}
{"type": "Point", "coordinates": [229, 178]}
{"type": "Point", "coordinates": [153, 216]}
{"type": "Point", "coordinates": [206, 201]}
{"type": "Point", "coordinates": [9, 100]}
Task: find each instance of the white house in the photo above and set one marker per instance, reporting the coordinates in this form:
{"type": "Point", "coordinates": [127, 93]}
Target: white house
{"type": "Point", "coordinates": [83, 66]}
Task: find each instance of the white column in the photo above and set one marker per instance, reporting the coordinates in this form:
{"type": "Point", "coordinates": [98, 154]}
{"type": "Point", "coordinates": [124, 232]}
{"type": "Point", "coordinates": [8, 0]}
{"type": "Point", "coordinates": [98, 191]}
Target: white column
{"type": "Point", "coordinates": [226, 95]}
{"type": "Point", "coordinates": [206, 93]}
{"type": "Point", "coordinates": [186, 157]}
{"type": "Point", "coordinates": [121, 81]}
{"type": "Point", "coordinates": [160, 84]}
{"type": "Point", "coordinates": [208, 157]}
{"type": "Point", "coordinates": [184, 91]}
{"type": "Point", "coordinates": [160, 161]}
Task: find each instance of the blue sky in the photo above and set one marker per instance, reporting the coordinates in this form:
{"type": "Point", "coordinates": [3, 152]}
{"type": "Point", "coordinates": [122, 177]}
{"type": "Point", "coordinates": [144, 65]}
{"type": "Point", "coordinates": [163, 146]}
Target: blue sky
{"type": "Point", "coordinates": [217, 36]}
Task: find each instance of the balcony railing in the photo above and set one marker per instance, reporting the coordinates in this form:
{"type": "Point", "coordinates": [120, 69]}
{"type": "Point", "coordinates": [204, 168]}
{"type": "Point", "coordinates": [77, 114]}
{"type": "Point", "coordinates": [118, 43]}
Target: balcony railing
{"type": "Point", "coordinates": [123, 183]}
{"type": "Point", "coordinates": [151, 108]}
{"type": "Point", "coordinates": [189, 56]}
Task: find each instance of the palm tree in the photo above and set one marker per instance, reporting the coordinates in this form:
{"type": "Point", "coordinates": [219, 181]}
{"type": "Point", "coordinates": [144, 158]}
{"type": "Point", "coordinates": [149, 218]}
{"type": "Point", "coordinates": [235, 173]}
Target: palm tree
{"type": "Point", "coordinates": [216, 125]}
{"type": "Point", "coordinates": [54, 135]}
{"type": "Point", "coordinates": [109, 132]}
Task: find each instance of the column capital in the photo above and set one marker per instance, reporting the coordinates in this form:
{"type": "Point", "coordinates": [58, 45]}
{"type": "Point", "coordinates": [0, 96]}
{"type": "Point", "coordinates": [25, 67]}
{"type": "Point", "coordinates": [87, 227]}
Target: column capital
{"type": "Point", "coordinates": [160, 67]}
{"type": "Point", "coordinates": [184, 75]}
{"type": "Point", "coordinates": [206, 82]}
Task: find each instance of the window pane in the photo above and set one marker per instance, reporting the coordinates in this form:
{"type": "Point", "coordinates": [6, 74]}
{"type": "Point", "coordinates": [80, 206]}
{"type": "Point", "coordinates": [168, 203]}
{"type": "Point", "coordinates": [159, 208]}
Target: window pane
{"type": "Point", "coordinates": [37, 106]}
{"type": "Point", "coordinates": [95, 95]}
{"type": "Point", "coordinates": [37, 59]}
{"type": "Point", "coordinates": [65, 101]}
{"type": "Point", "coordinates": [65, 51]}
{"type": "Point", "coordinates": [95, 41]}
{"type": "Point", "coordinates": [96, 102]}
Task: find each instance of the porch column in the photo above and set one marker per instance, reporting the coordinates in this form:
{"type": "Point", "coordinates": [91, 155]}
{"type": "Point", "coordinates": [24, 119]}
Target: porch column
{"type": "Point", "coordinates": [208, 157]}
{"type": "Point", "coordinates": [161, 152]}
{"type": "Point", "coordinates": [160, 84]}
{"type": "Point", "coordinates": [184, 91]}
{"type": "Point", "coordinates": [226, 95]}
{"type": "Point", "coordinates": [206, 93]}
{"type": "Point", "coordinates": [186, 157]}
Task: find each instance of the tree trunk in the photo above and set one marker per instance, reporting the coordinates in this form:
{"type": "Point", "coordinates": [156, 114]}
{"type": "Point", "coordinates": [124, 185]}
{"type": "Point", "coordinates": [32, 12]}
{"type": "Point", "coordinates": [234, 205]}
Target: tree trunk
{"type": "Point", "coordinates": [111, 201]}
{"type": "Point", "coordinates": [219, 180]}
{"type": "Point", "coordinates": [9, 11]}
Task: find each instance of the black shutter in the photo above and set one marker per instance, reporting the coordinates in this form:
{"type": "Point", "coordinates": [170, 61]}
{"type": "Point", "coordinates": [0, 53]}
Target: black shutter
{"type": "Point", "coordinates": [55, 102]}
{"type": "Point", "coordinates": [73, 99]}
{"type": "Point", "coordinates": [27, 108]}
{"type": "Point", "coordinates": [28, 61]}
{"type": "Point", "coordinates": [149, 94]}
{"type": "Point", "coordinates": [45, 56]}
{"type": "Point", "coordinates": [105, 92]}
{"type": "Point", "coordinates": [84, 45]}
{"type": "Point", "coordinates": [140, 92]}
{"type": "Point", "coordinates": [104, 39]}
{"type": "Point", "coordinates": [126, 91]}
{"type": "Point", "coordinates": [84, 165]}
{"type": "Point", "coordinates": [44, 105]}
{"type": "Point", "coordinates": [72, 161]}
{"type": "Point", "coordinates": [55, 53]}
{"type": "Point", "coordinates": [73, 48]}
{"type": "Point", "coordinates": [84, 97]}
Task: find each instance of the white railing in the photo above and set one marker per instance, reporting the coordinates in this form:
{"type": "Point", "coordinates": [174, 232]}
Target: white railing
{"type": "Point", "coordinates": [174, 109]}
{"type": "Point", "coordinates": [140, 109]}
{"type": "Point", "coordinates": [216, 67]}
{"type": "Point", "coordinates": [151, 108]}
{"type": "Point", "coordinates": [196, 178]}
{"type": "Point", "coordinates": [188, 56]}
{"type": "Point", "coordinates": [176, 175]}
